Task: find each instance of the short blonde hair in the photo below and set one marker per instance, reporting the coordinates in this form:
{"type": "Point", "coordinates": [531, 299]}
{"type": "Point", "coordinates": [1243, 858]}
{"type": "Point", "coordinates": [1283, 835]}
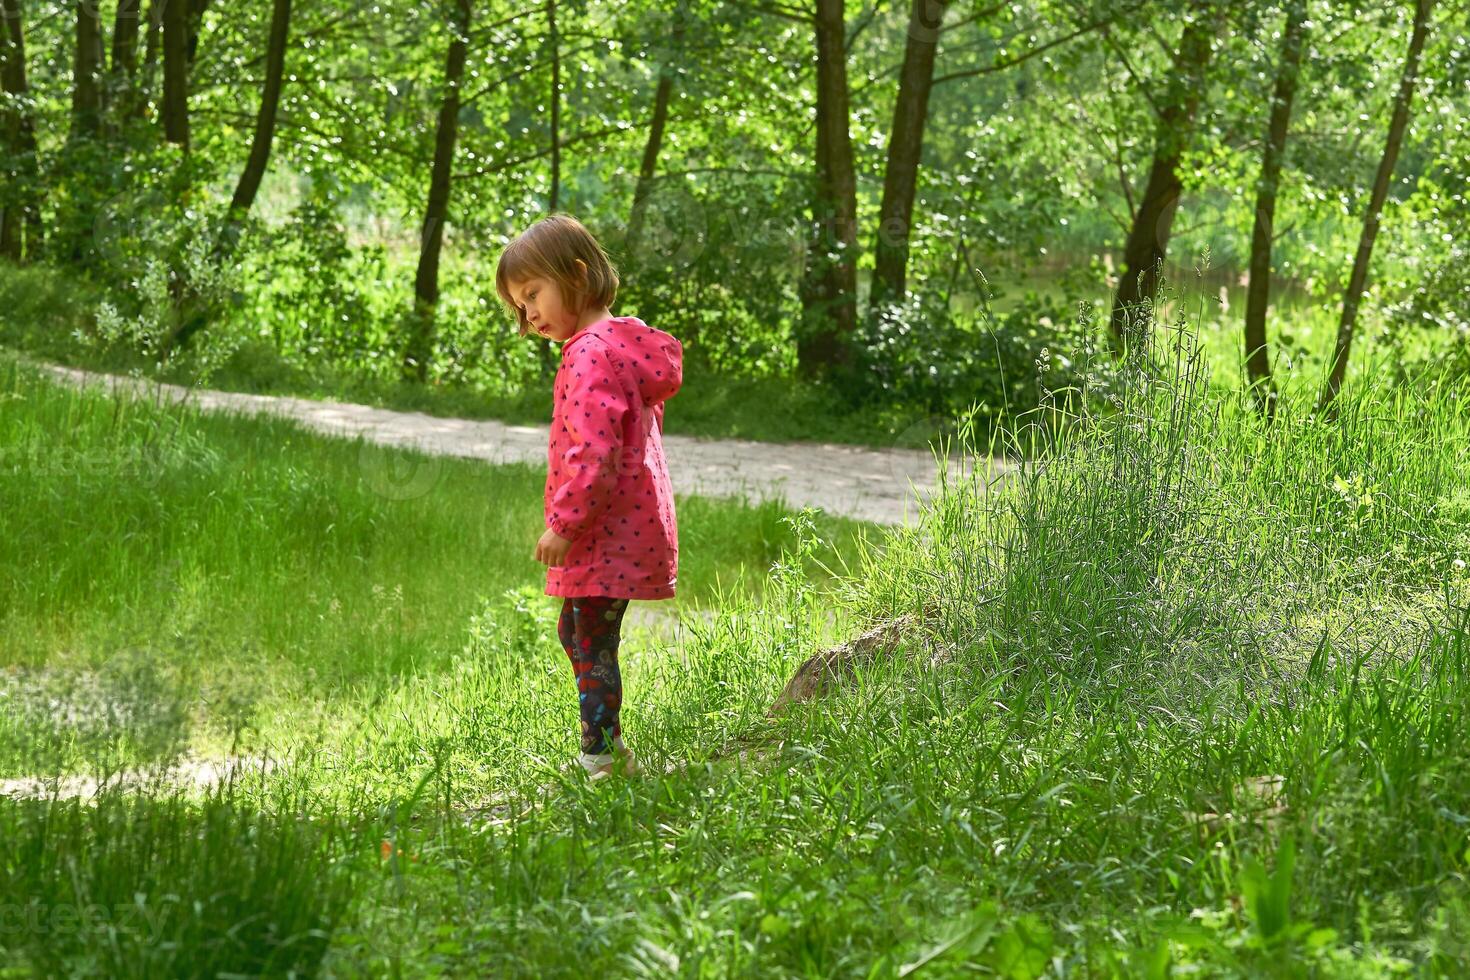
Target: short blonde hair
{"type": "Point", "coordinates": [550, 249]}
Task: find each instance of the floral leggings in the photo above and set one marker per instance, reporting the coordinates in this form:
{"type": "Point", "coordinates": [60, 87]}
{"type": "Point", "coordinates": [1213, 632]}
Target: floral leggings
{"type": "Point", "coordinates": [589, 630]}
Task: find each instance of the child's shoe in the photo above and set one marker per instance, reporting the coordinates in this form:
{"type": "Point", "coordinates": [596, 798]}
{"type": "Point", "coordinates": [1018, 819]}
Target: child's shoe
{"type": "Point", "coordinates": [619, 762]}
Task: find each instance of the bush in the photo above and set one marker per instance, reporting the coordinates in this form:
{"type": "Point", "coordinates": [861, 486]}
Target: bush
{"type": "Point", "coordinates": [316, 299]}
{"type": "Point", "coordinates": [40, 307]}
{"type": "Point", "coordinates": [923, 354]}
{"type": "Point", "coordinates": [1437, 310]}
{"type": "Point", "coordinates": [149, 322]}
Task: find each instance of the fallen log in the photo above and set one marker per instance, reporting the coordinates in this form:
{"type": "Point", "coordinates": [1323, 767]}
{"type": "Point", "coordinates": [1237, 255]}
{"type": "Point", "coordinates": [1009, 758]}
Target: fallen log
{"type": "Point", "coordinates": [823, 671]}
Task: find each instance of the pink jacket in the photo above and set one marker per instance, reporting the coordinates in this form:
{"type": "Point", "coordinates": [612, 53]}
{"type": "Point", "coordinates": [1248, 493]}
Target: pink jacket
{"type": "Point", "coordinates": [607, 486]}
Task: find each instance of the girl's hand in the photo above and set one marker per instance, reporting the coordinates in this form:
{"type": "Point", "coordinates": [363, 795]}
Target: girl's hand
{"type": "Point", "coordinates": [552, 548]}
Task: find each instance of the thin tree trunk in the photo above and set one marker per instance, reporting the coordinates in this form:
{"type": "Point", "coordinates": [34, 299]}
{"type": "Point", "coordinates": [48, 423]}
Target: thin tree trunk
{"type": "Point", "coordinates": [905, 143]}
{"type": "Point", "coordinates": [1148, 240]}
{"type": "Point", "coordinates": [147, 75]}
{"type": "Point", "coordinates": [426, 283]}
{"type": "Point", "coordinates": [20, 195]}
{"type": "Point", "coordinates": [829, 290]}
{"type": "Point", "coordinates": [196, 10]}
{"type": "Point", "coordinates": [123, 83]}
{"type": "Point", "coordinates": [816, 327]}
{"type": "Point", "coordinates": [548, 352]}
{"type": "Point", "coordinates": [126, 27]}
{"type": "Point", "coordinates": [175, 73]}
{"type": "Point", "coordinates": [1257, 351]}
{"type": "Point", "coordinates": [555, 41]}
{"type": "Point", "coordinates": [1359, 278]}
{"type": "Point", "coordinates": [193, 15]}
{"type": "Point", "coordinates": [265, 120]}
{"type": "Point", "coordinates": [648, 169]}
{"type": "Point", "coordinates": [196, 315]}
{"type": "Point", "coordinates": [155, 32]}
{"type": "Point", "coordinates": [86, 93]}
{"type": "Point", "coordinates": [10, 246]}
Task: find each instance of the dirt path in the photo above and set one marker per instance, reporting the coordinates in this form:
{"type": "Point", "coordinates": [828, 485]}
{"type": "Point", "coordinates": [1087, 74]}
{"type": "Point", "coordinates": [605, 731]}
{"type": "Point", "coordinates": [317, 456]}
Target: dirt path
{"type": "Point", "coordinates": [190, 773]}
{"type": "Point", "coordinates": [878, 485]}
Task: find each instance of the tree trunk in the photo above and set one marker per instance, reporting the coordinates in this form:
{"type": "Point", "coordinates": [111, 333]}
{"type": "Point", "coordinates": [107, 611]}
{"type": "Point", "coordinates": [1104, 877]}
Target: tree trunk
{"type": "Point", "coordinates": [122, 80]}
{"type": "Point", "coordinates": [196, 9]}
{"type": "Point", "coordinates": [829, 289]}
{"type": "Point", "coordinates": [126, 27]}
{"type": "Point", "coordinates": [555, 41]}
{"type": "Point", "coordinates": [648, 169]}
{"type": "Point", "coordinates": [155, 32]}
{"type": "Point", "coordinates": [152, 41]}
{"type": "Point", "coordinates": [20, 194]}
{"type": "Point", "coordinates": [176, 73]}
{"type": "Point", "coordinates": [426, 283]}
{"type": "Point", "coordinates": [196, 316]}
{"type": "Point", "coordinates": [1257, 352]}
{"type": "Point", "coordinates": [1148, 240]}
{"type": "Point", "coordinates": [10, 247]}
{"type": "Point", "coordinates": [86, 92]}
{"type": "Point", "coordinates": [1359, 278]}
{"type": "Point", "coordinates": [905, 143]}
{"type": "Point", "coordinates": [265, 121]}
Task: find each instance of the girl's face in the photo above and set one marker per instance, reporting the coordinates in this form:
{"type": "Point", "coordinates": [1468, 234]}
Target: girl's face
{"type": "Point", "coordinates": [541, 301]}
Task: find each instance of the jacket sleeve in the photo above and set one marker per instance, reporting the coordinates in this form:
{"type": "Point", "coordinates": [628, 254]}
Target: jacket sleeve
{"type": "Point", "coordinates": [593, 412]}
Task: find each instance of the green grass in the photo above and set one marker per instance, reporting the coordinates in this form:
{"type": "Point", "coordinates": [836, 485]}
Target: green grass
{"type": "Point", "coordinates": [249, 891]}
{"type": "Point", "coordinates": [1189, 697]}
{"type": "Point", "coordinates": [257, 561]}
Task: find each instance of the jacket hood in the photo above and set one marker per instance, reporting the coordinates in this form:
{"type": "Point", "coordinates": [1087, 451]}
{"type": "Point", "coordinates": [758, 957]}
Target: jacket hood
{"type": "Point", "coordinates": [655, 358]}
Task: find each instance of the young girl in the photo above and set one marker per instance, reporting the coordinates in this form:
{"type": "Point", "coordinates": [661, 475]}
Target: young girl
{"type": "Point", "coordinates": [610, 530]}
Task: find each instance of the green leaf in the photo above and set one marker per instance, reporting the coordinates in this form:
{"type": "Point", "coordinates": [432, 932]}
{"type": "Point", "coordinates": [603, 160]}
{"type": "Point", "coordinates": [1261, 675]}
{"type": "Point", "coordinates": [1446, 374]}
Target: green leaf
{"type": "Point", "coordinates": [1023, 951]}
{"type": "Point", "coordinates": [1268, 898]}
{"type": "Point", "coordinates": [970, 937]}
{"type": "Point", "coordinates": [774, 925]}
